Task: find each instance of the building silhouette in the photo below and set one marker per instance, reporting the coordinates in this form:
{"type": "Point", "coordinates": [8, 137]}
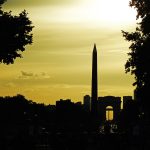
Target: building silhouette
{"type": "Point", "coordinates": [64, 105]}
{"type": "Point", "coordinates": [87, 102]}
{"type": "Point", "coordinates": [101, 105]}
{"type": "Point", "coordinates": [104, 102]}
{"type": "Point", "coordinates": [126, 101]}
{"type": "Point", "coordinates": [94, 82]}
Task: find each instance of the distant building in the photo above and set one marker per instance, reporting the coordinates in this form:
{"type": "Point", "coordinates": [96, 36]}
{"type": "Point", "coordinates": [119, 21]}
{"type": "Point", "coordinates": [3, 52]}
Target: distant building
{"type": "Point", "coordinates": [87, 102]}
{"type": "Point", "coordinates": [126, 101]}
{"type": "Point", "coordinates": [64, 104]}
{"type": "Point", "coordinates": [78, 104]}
{"type": "Point", "coordinates": [104, 102]}
{"type": "Point", "coordinates": [136, 97]}
{"type": "Point", "coordinates": [52, 107]}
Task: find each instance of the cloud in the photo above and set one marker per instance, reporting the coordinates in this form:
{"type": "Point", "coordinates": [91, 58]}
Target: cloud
{"type": "Point", "coordinates": [10, 85]}
{"type": "Point", "coordinates": [118, 50]}
{"type": "Point", "coordinates": [30, 75]}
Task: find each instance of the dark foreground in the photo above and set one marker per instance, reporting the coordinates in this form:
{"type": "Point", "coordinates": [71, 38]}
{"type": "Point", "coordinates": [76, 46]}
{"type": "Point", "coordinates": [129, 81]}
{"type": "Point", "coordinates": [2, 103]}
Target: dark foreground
{"type": "Point", "coordinates": [74, 141]}
{"type": "Point", "coordinates": [25, 125]}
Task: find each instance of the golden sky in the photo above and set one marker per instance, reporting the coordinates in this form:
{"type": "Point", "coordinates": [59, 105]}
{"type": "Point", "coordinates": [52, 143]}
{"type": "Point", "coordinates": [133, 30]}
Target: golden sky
{"type": "Point", "coordinates": [58, 63]}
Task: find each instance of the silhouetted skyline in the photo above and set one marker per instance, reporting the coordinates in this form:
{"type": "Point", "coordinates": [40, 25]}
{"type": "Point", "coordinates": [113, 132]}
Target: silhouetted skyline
{"type": "Point", "coordinates": [37, 126]}
{"type": "Point", "coordinates": [59, 65]}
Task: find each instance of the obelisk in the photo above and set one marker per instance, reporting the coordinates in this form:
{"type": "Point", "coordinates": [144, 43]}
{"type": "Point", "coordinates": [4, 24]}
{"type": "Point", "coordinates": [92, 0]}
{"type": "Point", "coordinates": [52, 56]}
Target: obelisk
{"type": "Point", "coordinates": [94, 82]}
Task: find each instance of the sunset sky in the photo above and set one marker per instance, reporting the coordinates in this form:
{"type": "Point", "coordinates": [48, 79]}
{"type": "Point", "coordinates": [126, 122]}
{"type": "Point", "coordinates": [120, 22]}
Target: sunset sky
{"type": "Point", "coordinates": [58, 63]}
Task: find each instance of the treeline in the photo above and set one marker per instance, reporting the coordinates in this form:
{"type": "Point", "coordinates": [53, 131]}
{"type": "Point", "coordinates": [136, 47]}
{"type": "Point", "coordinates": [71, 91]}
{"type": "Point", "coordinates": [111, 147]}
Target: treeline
{"type": "Point", "coordinates": [25, 124]}
{"type": "Point", "coordinates": [19, 110]}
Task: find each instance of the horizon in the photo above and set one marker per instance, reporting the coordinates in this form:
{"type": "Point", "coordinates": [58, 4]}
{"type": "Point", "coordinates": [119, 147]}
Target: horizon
{"type": "Point", "coordinates": [58, 65]}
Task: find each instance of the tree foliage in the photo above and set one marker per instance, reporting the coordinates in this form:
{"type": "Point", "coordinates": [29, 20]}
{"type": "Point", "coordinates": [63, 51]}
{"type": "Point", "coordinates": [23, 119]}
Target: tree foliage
{"type": "Point", "coordinates": [15, 34]}
{"type": "Point", "coordinates": [138, 62]}
{"type": "Point", "coordinates": [2, 1]}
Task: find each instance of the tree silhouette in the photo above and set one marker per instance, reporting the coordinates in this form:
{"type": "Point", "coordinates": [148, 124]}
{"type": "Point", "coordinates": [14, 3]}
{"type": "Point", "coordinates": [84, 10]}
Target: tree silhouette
{"type": "Point", "coordinates": [14, 35]}
{"type": "Point", "coordinates": [138, 62]}
{"type": "Point", "coordinates": [2, 1]}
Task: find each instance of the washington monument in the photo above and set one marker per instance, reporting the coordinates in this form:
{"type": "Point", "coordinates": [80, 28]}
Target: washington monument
{"type": "Point", "coordinates": [94, 82]}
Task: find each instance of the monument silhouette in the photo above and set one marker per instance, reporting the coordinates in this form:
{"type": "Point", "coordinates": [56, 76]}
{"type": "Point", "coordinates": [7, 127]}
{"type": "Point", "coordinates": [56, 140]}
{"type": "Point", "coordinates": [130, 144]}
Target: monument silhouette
{"type": "Point", "coordinates": [94, 82]}
{"type": "Point", "coordinates": [99, 104]}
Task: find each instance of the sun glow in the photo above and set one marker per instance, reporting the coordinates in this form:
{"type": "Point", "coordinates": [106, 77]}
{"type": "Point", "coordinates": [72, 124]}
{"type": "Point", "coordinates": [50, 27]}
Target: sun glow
{"type": "Point", "coordinates": [97, 12]}
{"type": "Point", "coordinates": [111, 11]}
